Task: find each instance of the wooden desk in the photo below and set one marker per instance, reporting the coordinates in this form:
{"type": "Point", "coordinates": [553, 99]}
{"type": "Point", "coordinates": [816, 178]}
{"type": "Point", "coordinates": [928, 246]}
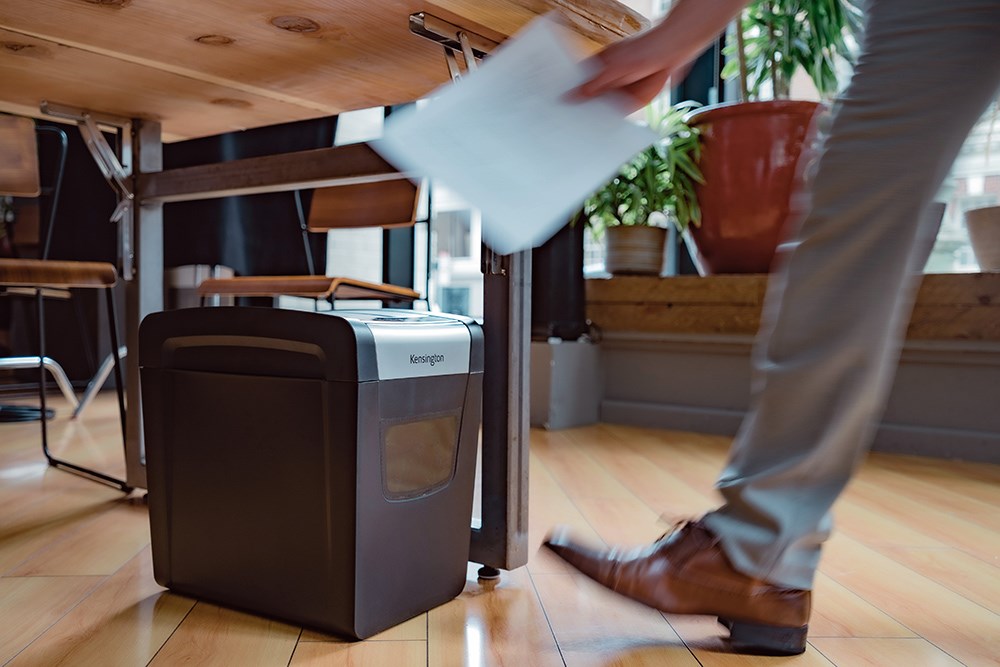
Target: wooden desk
{"type": "Point", "coordinates": [188, 68]}
{"type": "Point", "coordinates": [202, 67]}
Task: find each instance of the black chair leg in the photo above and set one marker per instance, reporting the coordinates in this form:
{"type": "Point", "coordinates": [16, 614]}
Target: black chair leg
{"type": "Point", "coordinates": [119, 376]}
{"type": "Point", "coordinates": [53, 461]}
{"type": "Point", "coordinates": [40, 328]}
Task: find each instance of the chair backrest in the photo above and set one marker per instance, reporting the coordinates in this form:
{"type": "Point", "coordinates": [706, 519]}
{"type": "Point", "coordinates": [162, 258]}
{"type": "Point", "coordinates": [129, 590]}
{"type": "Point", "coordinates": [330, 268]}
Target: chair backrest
{"type": "Point", "coordinates": [383, 204]}
{"type": "Point", "coordinates": [18, 157]}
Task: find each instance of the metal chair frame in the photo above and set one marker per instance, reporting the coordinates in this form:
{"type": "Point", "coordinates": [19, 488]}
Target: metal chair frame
{"type": "Point", "coordinates": [42, 362]}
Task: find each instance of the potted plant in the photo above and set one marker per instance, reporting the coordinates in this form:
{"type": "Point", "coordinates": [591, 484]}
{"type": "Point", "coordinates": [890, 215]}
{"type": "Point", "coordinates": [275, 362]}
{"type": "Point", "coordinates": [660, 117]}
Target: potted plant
{"type": "Point", "coordinates": [652, 189]}
{"type": "Point", "coordinates": [752, 148]}
{"type": "Point", "coordinates": [983, 222]}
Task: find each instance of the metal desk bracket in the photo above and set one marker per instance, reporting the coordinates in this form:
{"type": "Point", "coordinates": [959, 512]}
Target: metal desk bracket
{"type": "Point", "coordinates": [453, 38]}
{"type": "Point", "coordinates": [501, 542]}
{"type": "Point", "coordinates": [118, 173]}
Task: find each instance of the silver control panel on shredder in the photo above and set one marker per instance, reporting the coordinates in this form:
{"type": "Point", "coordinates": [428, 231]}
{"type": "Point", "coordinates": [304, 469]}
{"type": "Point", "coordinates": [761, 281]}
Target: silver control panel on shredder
{"type": "Point", "coordinates": [409, 344]}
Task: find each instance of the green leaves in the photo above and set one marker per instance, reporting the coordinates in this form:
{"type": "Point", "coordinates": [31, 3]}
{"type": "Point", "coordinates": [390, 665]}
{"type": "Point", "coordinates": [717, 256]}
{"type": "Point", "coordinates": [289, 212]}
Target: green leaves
{"type": "Point", "coordinates": [661, 178]}
{"type": "Point", "coordinates": [783, 35]}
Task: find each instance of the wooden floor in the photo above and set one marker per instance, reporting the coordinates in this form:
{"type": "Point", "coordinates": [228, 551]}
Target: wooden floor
{"type": "Point", "coordinates": [910, 579]}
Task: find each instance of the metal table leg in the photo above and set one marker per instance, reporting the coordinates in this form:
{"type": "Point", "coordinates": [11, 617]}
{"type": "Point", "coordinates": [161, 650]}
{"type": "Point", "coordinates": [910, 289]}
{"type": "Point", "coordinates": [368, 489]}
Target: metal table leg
{"type": "Point", "coordinates": [501, 542]}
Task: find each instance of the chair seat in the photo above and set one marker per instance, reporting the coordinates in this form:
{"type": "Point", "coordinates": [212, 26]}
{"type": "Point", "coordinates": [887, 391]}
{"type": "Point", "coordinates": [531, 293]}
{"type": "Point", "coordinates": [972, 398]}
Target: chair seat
{"type": "Point", "coordinates": [316, 287]}
{"type": "Point", "coordinates": [50, 273]}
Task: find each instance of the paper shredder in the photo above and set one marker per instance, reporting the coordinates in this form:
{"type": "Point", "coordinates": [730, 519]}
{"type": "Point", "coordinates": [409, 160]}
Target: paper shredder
{"type": "Point", "coordinates": [316, 468]}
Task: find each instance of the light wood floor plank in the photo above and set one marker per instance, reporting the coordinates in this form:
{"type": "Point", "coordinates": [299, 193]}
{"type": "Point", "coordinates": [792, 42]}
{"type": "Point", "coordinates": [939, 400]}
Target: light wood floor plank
{"type": "Point", "coordinates": [919, 514]}
{"type": "Point", "coordinates": [122, 623]}
{"type": "Point", "coordinates": [693, 460]}
{"type": "Point", "coordinates": [665, 493]}
{"type": "Point", "coordinates": [100, 546]}
{"type": "Point", "coordinates": [407, 653]}
{"type": "Point", "coordinates": [884, 652]}
{"type": "Point", "coordinates": [956, 570]}
{"type": "Point", "coordinates": [840, 612]}
{"type": "Point", "coordinates": [624, 517]}
{"type": "Point", "coordinates": [908, 579]}
{"type": "Point", "coordinates": [414, 629]}
{"type": "Point", "coordinates": [211, 635]}
{"type": "Point", "coordinates": [867, 524]}
{"type": "Point", "coordinates": [47, 520]}
{"type": "Point", "coordinates": [504, 626]}
{"type": "Point", "coordinates": [972, 480]}
{"type": "Point", "coordinates": [579, 476]}
{"type": "Point", "coordinates": [963, 629]}
{"type": "Point", "coordinates": [29, 606]}
{"type": "Point", "coordinates": [549, 506]}
{"type": "Point", "coordinates": [927, 487]}
{"type": "Point", "coordinates": [595, 627]}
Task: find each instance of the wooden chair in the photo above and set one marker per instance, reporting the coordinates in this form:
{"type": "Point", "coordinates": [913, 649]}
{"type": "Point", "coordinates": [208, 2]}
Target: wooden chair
{"type": "Point", "coordinates": [384, 204]}
{"type": "Point", "coordinates": [19, 176]}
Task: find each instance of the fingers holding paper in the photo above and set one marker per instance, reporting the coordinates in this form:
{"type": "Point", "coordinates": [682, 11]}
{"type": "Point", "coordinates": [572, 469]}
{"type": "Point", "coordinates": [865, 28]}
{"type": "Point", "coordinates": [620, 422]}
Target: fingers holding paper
{"type": "Point", "coordinates": [630, 70]}
{"type": "Point", "coordinates": [636, 69]}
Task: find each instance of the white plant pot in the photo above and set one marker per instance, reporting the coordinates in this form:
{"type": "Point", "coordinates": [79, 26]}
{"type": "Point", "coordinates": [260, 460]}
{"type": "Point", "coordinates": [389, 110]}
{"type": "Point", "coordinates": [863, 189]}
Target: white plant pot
{"type": "Point", "coordinates": [984, 233]}
{"type": "Point", "coordinates": [634, 250]}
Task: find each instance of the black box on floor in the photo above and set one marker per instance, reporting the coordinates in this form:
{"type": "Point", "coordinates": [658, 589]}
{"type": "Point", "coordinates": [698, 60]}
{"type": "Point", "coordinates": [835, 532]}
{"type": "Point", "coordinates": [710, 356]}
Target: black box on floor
{"type": "Point", "coordinates": [312, 467]}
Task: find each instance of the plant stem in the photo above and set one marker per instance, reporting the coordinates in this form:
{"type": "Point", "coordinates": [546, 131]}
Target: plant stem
{"type": "Point", "coordinates": [741, 56]}
{"type": "Point", "coordinates": [775, 74]}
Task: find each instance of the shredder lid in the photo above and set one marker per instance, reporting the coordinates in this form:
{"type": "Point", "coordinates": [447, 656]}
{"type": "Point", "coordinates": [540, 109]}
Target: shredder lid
{"type": "Point", "coordinates": [343, 345]}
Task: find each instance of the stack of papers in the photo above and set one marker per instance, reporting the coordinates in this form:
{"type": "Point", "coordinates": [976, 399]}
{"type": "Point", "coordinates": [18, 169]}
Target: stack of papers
{"type": "Point", "coordinates": [507, 141]}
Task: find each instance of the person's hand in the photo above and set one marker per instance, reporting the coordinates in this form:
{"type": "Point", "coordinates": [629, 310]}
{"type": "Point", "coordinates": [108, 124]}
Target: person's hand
{"type": "Point", "coordinates": [634, 70]}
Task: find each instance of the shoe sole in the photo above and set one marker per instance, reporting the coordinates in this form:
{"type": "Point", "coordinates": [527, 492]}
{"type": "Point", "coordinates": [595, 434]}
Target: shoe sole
{"type": "Point", "coordinates": [758, 639]}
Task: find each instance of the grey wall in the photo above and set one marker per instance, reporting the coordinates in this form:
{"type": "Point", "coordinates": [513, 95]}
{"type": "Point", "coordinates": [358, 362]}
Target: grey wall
{"type": "Point", "coordinates": [945, 401]}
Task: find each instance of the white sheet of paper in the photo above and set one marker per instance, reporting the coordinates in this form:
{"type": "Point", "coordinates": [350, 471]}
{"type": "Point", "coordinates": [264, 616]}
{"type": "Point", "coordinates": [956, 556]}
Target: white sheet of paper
{"type": "Point", "coordinates": [506, 141]}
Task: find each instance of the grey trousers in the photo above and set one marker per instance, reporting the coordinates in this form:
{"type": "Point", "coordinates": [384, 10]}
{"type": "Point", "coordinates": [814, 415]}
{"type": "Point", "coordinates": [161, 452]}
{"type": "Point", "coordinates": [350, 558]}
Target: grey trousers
{"type": "Point", "coordinates": [838, 303]}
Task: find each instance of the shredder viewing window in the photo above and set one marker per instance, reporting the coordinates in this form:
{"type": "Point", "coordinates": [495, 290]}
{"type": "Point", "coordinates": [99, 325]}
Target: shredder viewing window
{"type": "Point", "coordinates": [419, 456]}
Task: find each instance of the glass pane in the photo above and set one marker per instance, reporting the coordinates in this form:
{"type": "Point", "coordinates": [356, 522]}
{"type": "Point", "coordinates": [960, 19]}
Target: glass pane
{"type": "Point", "coordinates": [356, 253]}
{"type": "Point", "coordinates": [974, 183]}
{"type": "Point", "coordinates": [360, 125]}
{"type": "Point", "coordinates": [456, 277]}
{"type": "Point", "coordinates": [419, 456]}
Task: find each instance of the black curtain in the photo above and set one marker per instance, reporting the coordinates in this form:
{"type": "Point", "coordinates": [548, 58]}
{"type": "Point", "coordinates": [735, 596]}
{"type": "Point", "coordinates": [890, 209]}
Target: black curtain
{"type": "Point", "coordinates": [82, 229]}
{"type": "Point", "coordinates": [558, 294]}
{"type": "Point", "coordinates": [254, 234]}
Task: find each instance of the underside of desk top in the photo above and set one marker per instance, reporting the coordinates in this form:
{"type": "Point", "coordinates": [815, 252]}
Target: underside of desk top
{"type": "Point", "coordinates": [203, 67]}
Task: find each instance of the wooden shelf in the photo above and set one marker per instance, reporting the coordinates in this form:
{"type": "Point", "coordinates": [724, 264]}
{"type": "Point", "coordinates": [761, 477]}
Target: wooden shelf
{"type": "Point", "coordinates": [948, 306]}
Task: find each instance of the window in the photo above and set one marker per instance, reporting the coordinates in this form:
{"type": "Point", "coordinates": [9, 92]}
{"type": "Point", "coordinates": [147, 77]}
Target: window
{"type": "Point", "coordinates": [456, 279]}
{"type": "Point", "coordinates": [974, 183]}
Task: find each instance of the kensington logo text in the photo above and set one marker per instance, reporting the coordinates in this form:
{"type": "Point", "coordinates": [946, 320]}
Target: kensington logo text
{"type": "Point", "coordinates": [426, 359]}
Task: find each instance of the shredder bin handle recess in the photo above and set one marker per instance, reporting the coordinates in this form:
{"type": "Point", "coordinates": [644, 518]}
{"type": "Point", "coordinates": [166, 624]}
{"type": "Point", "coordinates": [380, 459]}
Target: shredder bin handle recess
{"type": "Point", "coordinates": [344, 345]}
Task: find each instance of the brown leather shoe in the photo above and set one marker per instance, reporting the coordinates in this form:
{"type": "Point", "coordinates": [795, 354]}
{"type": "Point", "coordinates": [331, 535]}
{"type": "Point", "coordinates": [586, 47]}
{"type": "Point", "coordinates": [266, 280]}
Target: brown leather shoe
{"type": "Point", "coordinates": [686, 572]}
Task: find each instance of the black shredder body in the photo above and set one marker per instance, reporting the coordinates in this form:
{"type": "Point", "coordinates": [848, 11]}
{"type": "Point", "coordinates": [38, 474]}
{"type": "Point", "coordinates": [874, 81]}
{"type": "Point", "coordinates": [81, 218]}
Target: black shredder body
{"type": "Point", "coordinates": [316, 468]}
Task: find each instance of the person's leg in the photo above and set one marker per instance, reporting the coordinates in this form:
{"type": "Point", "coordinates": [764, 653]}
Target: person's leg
{"type": "Point", "coordinates": [837, 309]}
{"type": "Point", "coordinates": [834, 320]}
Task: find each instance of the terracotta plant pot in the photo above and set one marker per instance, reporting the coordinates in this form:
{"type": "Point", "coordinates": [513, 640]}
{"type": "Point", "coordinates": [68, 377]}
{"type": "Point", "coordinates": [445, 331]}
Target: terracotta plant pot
{"type": "Point", "coordinates": [634, 250]}
{"type": "Point", "coordinates": [749, 161]}
{"type": "Point", "coordinates": [984, 233]}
